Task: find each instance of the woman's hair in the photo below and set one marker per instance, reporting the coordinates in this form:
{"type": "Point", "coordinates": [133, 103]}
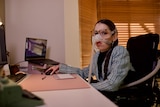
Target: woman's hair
{"type": "Point", "coordinates": [109, 23]}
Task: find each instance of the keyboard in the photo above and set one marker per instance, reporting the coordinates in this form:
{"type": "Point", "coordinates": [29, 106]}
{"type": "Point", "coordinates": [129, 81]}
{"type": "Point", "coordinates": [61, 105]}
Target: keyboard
{"type": "Point", "coordinates": [44, 61]}
{"type": "Point", "coordinates": [17, 78]}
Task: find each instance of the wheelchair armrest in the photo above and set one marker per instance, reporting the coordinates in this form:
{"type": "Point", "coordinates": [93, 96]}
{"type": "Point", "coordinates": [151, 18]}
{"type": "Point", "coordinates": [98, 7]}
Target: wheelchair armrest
{"type": "Point", "coordinates": [151, 74]}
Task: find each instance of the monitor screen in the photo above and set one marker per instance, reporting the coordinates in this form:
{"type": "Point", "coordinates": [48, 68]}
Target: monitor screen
{"type": "Point", "coordinates": [35, 48]}
{"type": "Point", "coordinates": [3, 52]}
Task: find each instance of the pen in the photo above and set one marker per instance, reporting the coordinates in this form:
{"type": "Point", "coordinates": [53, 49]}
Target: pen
{"type": "Point", "coordinates": [43, 77]}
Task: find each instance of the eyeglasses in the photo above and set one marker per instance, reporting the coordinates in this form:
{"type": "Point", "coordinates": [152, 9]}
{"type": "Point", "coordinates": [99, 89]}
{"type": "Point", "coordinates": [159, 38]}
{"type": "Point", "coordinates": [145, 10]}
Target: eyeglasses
{"type": "Point", "coordinates": [102, 33]}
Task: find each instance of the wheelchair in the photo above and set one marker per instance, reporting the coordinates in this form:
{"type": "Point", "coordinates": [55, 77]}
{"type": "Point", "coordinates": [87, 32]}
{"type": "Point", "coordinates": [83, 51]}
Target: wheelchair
{"type": "Point", "coordinates": [140, 87]}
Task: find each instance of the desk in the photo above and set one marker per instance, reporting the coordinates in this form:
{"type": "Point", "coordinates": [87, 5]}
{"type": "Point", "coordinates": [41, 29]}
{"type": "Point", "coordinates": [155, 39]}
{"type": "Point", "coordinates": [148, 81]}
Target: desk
{"type": "Point", "coordinates": [88, 97]}
{"type": "Point", "coordinates": [82, 97]}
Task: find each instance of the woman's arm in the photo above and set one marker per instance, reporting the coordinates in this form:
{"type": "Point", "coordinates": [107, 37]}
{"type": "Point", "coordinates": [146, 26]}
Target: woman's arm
{"type": "Point", "coordinates": [118, 68]}
{"type": "Point", "coordinates": [63, 68]}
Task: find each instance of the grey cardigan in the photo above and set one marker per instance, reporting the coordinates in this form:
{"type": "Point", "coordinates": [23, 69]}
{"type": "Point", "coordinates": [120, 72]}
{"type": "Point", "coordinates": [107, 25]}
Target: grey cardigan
{"type": "Point", "coordinates": [118, 67]}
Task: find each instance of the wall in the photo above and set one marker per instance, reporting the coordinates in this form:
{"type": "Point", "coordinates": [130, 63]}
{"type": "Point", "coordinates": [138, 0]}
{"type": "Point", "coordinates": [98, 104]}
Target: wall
{"type": "Point", "coordinates": [34, 18]}
{"type": "Point", "coordinates": [55, 20]}
{"type": "Point", "coordinates": [72, 33]}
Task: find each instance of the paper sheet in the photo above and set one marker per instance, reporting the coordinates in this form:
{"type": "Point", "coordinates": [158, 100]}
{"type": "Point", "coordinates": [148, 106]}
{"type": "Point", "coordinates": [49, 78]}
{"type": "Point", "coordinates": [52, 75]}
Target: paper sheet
{"type": "Point", "coordinates": [63, 76]}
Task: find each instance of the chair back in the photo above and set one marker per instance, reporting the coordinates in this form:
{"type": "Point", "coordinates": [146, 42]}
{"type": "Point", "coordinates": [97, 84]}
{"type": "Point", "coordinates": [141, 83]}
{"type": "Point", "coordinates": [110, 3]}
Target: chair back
{"type": "Point", "coordinates": [143, 50]}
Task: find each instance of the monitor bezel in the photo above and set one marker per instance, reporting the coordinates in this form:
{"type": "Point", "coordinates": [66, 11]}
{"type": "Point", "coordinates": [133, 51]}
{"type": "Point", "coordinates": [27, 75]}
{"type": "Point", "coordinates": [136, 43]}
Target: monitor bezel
{"type": "Point", "coordinates": [3, 50]}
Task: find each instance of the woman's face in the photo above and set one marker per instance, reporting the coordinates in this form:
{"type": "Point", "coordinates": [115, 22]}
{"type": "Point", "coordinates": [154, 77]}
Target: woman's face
{"type": "Point", "coordinates": [104, 31]}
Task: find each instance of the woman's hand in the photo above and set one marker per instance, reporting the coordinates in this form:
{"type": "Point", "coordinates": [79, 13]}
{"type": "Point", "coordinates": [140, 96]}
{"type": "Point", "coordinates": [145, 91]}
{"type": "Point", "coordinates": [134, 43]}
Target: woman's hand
{"type": "Point", "coordinates": [52, 70]}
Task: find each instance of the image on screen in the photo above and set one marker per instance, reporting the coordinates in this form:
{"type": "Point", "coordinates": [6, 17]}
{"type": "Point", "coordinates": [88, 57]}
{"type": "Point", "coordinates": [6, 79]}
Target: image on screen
{"type": "Point", "coordinates": [35, 48]}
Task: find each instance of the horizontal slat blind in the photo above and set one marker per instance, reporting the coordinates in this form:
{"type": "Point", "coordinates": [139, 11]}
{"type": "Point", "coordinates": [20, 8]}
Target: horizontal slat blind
{"type": "Point", "coordinates": [88, 17]}
{"type": "Point", "coordinates": [132, 17]}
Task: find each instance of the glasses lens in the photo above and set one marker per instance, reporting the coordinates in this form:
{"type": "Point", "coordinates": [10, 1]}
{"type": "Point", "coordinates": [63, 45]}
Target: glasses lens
{"type": "Point", "coordinates": [102, 33]}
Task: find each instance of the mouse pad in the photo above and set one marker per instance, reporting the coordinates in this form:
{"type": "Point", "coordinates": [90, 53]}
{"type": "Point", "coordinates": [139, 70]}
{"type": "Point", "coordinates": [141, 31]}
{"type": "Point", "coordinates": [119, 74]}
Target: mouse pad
{"type": "Point", "coordinates": [38, 82]}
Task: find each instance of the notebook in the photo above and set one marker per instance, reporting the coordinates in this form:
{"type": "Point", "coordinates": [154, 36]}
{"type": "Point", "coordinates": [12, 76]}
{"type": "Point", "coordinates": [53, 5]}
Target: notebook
{"type": "Point", "coordinates": [35, 52]}
{"type": "Point", "coordinates": [5, 71]}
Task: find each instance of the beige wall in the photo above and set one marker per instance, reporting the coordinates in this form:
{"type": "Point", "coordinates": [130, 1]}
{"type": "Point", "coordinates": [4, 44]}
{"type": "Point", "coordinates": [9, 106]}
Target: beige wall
{"type": "Point", "coordinates": [72, 33]}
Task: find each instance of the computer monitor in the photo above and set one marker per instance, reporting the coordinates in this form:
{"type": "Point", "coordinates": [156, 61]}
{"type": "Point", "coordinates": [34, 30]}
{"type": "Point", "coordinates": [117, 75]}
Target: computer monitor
{"type": "Point", "coordinates": [35, 52]}
{"type": "Point", "coordinates": [4, 68]}
{"type": "Point", "coordinates": [3, 52]}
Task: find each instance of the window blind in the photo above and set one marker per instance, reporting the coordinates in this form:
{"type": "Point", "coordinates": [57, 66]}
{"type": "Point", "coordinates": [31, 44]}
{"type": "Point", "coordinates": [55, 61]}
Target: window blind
{"type": "Point", "coordinates": [131, 17]}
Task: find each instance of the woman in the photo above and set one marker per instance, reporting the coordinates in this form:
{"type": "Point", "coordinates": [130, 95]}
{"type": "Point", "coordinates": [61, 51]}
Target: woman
{"type": "Point", "coordinates": [110, 63]}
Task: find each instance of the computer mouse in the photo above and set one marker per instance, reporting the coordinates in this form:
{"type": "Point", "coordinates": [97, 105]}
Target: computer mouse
{"type": "Point", "coordinates": [49, 72]}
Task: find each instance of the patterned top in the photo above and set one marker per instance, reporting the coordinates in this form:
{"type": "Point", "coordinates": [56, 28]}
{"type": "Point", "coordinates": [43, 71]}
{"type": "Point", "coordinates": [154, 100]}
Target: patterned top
{"type": "Point", "coordinates": [118, 67]}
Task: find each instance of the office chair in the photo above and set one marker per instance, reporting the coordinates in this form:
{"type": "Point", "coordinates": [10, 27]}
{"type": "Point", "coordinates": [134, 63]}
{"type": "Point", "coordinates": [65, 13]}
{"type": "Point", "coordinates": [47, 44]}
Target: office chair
{"type": "Point", "coordinates": [140, 87]}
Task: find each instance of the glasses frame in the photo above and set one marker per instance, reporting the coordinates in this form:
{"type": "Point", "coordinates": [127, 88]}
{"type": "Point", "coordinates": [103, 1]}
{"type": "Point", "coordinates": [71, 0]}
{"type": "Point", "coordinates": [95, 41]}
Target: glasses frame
{"type": "Point", "coordinates": [101, 32]}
